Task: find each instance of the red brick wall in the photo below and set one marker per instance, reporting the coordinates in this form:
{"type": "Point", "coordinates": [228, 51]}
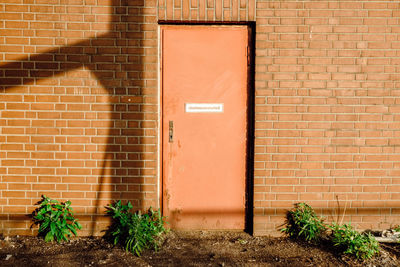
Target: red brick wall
{"type": "Point", "coordinates": [327, 115]}
{"type": "Point", "coordinates": [207, 10]}
{"type": "Point", "coordinates": [79, 105]}
{"type": "Point", "coordinates": [78, 108]}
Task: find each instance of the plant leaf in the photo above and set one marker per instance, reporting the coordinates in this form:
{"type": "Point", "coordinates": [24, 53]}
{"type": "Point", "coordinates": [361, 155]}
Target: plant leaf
{"type": "Point", "coordinates": [70, 227]}
{"type": "Point", "coordinates": [49, 237]}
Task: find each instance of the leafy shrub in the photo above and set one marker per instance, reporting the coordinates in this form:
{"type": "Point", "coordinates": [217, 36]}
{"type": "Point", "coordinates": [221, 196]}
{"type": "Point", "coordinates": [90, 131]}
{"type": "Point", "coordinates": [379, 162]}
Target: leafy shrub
{"type": "Point", "coordinates": [303, 223]}
{"type": "Point", "coordinates": [135, 231]}
{"type": "Point", "coordinates": [349, 241]}
{"type": "Point", "coordinates": [56, 220]}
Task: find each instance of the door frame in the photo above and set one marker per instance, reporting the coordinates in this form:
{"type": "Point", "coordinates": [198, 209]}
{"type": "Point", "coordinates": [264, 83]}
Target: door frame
{"type": "Point", "coordinates": [249, 190]}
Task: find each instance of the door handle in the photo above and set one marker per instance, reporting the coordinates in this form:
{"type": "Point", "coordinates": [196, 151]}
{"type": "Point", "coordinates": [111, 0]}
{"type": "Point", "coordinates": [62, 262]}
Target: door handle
{"type": "Point", "coordinates": [171, 131]}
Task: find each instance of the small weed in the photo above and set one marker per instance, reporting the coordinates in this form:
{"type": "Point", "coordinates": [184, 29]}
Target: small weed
{"type": "Point", "coordinates": [362, 246]}
{"type": "Point", "coordinates": [56, 220]}
{"type": "Point", "coordinates": [303, 223]}
{"type": "Point", "coordinates": [135, 231]}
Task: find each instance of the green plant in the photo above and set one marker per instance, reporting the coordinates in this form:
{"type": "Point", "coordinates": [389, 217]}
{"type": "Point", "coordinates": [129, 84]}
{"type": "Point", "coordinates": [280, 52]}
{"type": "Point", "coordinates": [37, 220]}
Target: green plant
{"type": "Point", "coordinates": [55, 219]}
{"type": "Point", "coordinates": [303, 223]}
{"type": "Point", "coordinates": [135, 231]}
{"type": "Point", "coordinates": [349, 241]}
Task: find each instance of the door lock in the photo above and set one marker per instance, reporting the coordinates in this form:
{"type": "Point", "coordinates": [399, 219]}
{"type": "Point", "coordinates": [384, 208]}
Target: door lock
{"type": "Point", "coordinates": [171, 131]}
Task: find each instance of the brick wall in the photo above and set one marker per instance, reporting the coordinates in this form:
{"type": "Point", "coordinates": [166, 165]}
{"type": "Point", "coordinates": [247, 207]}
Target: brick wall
{"type": "Point", "coordinates": [79, 105]}
{"type": "Point", "coordinates": [207, 10]}
{"type": "Point", "coordinates": [78, 108]}
{"type": "Point", "coordinates": [327, 110]}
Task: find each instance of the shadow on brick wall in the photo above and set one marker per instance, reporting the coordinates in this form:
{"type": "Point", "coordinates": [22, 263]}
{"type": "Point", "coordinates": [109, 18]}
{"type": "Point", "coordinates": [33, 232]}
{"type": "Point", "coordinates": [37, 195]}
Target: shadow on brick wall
{"type": "Point", "coordinates": [93, 149]}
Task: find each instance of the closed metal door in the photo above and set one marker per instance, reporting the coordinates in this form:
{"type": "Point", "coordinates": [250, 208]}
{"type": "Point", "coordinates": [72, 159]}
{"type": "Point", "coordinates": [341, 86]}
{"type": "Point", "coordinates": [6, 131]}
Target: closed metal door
{"type": "Point", "coordinates": [204, 113]}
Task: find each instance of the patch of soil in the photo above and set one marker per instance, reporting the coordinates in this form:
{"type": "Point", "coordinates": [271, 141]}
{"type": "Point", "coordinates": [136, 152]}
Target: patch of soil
{"type": "Point", "coordinates": [33, 251]}
{"type": "Point", "coordinates": [199, 248]}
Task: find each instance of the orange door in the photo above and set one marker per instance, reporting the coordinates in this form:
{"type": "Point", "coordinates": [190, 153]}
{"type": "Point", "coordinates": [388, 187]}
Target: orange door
{"type": "Point", "coordinates": [204, 113]}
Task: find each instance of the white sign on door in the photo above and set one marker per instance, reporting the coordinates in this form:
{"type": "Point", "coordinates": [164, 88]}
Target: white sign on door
{"type": "Point", "coordinates": [204, 107]}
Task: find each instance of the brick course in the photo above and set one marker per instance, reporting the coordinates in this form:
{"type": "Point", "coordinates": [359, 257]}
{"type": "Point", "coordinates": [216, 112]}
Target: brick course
{"type": "Point", "coordinates": [79, 106]}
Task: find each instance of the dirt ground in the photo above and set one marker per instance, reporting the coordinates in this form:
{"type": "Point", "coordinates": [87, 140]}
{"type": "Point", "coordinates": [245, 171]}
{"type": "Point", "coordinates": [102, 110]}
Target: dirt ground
{"type": "Point", "coordinates": [199, 248]}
